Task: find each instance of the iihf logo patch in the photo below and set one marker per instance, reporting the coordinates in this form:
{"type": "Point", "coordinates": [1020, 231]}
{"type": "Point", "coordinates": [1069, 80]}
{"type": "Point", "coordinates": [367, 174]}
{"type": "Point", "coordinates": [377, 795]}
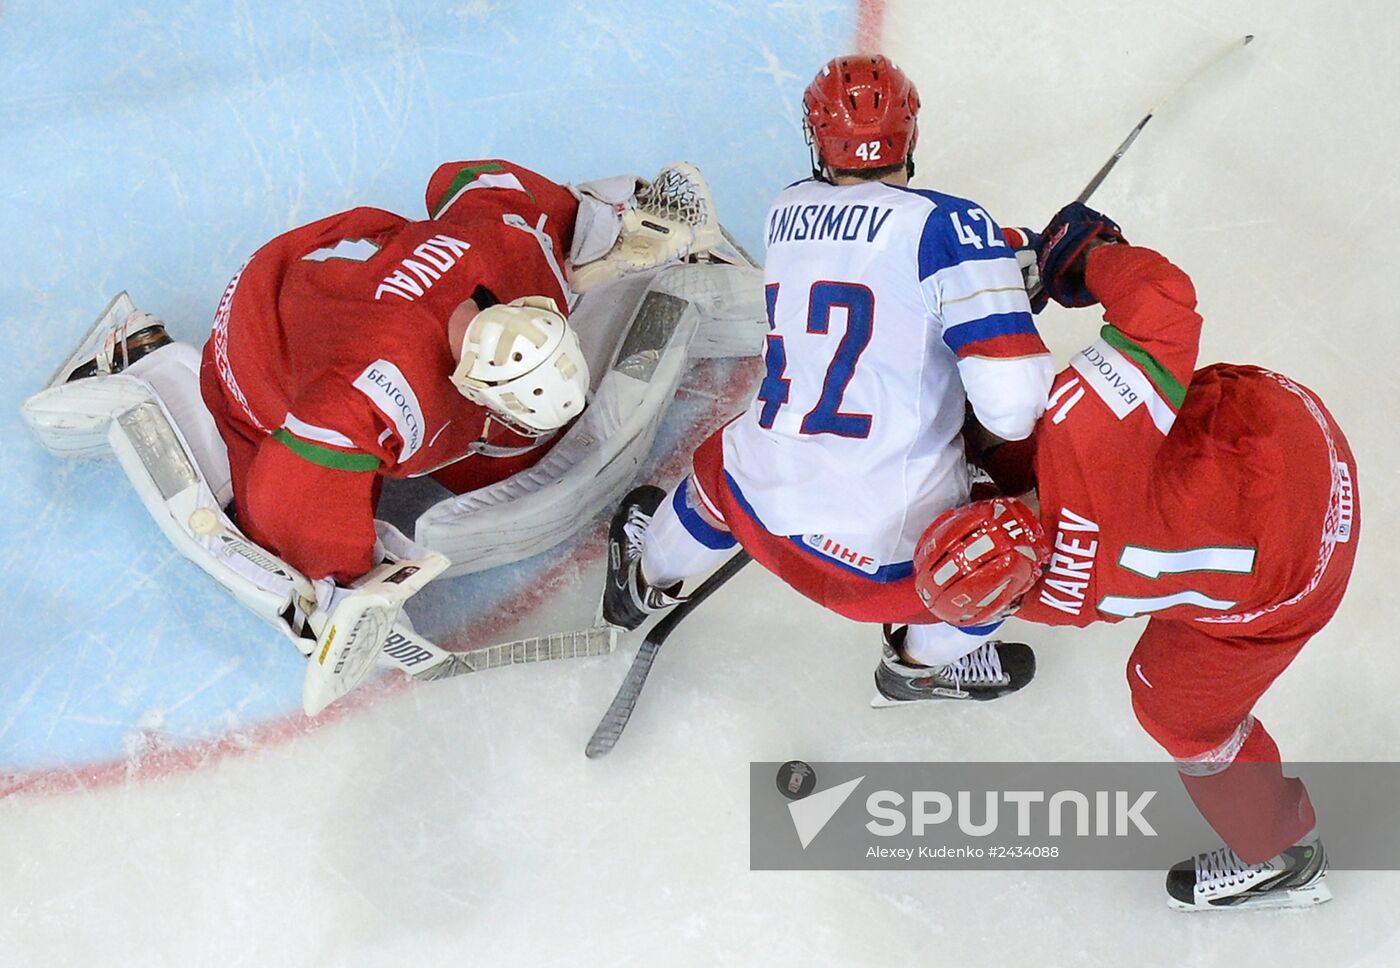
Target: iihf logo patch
{"type": "Point", "coordinates": [836, 551]}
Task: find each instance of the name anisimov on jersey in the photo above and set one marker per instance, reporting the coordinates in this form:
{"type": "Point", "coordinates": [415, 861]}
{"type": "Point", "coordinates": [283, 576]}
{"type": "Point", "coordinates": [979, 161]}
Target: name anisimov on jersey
{"type": "Point", "coordinates": [817, 223]}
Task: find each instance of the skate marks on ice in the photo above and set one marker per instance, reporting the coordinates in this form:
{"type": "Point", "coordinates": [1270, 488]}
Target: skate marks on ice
{"type": "Point", "coordinates": [106, 705]}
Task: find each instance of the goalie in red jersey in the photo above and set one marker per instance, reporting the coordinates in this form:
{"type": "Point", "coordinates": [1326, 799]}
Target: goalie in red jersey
{"type": "Point", "coordinates": [329, 364]}
{"type": "Point", "coordinates": [1220, 502]}
{"type": "Point", "coordinates": [366, 345]}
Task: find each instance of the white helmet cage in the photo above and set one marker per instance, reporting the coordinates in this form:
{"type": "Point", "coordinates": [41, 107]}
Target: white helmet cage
{"type": "Point", "coordinates": [522, 361]}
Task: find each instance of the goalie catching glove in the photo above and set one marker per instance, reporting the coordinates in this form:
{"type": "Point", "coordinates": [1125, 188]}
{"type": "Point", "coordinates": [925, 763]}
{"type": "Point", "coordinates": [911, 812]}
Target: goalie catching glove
{"type": "Point", "coordinates": [627, 225]}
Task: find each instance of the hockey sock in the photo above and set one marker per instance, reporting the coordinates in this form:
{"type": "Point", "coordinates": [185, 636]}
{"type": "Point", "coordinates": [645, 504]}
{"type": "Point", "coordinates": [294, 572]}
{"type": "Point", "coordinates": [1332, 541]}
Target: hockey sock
{"type": "Point", "coordinates": [1254, 808]}
{"type": "Point", "coordinates": [680, 542]}
{"type": "Point", "coordinates": [938, 644]}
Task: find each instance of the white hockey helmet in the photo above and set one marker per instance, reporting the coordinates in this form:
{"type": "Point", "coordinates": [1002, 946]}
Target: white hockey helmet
{"type": "Point", "coordinates": [522, 361]}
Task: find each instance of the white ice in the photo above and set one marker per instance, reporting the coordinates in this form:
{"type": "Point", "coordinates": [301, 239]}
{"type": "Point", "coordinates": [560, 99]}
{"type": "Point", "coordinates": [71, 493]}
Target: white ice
{"type": "Point", "coordinates": [458, 823]}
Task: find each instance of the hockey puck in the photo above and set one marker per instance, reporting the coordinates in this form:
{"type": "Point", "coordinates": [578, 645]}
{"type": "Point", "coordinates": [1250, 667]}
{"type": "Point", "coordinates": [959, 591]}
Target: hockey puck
{"type": "Point", "coordinates": [204, 521]}
{"type": "Point", "coordinates": [796, 779]}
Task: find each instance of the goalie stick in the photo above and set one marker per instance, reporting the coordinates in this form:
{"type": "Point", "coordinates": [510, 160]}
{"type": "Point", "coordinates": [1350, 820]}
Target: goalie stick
{"type": "Point", "coordinates": [1122, 149]}
{"type": "Point", "coordinates": [415, 656]}
{"type": "Point", "coordinates": [421, 659]}
{"type": "Point", "coordinates": [614, 721]}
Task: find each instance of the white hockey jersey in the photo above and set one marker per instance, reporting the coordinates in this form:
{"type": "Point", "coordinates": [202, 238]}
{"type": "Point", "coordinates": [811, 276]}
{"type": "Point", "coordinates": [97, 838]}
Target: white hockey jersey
{"type": "Point", "coordinates": [884, 302]}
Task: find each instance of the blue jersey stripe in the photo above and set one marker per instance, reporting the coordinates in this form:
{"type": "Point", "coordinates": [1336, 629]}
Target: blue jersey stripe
{"type": "Point", "coordinates": [698, 528]}
{"type": "Point", "coordinates": [988, 327]}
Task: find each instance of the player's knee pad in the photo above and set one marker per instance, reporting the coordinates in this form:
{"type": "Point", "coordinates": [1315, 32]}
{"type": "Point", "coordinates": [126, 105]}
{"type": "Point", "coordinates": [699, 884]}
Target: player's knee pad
{"type": "Point", "coordinates": [1145, 709]}
{"type": "Point", "coordinates": [700, 518]}
{"type": "Point", "coordinates": [1195, 752]}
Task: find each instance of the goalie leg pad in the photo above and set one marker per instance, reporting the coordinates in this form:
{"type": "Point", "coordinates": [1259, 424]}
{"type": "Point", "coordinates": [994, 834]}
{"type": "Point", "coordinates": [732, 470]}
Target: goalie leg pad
{"type": "Point", "coordinates": [156, 459]}
{"type": "Point", "coordinates": [173, 372]}
{"type": "Point", "coordinates": [72, 419]}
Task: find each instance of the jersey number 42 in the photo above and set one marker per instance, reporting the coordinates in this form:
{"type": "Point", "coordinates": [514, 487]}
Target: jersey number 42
{"type": "Point", "coordinates": [826, 417]}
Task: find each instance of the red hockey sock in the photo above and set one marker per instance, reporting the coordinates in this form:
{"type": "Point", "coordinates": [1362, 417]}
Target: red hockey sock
{"type": "Point", "coordinates": [1255, 808]}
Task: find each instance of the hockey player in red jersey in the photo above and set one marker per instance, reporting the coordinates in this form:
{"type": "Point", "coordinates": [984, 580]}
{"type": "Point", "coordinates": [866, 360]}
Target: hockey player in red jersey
{"type": "Point", "coordinates": [1219, 502]}
{"type": "Point", "coordinates": [359, 347]}
{"type": "Point", "coordinates": [330, 364]}
{"type": "Point", "coordinates": [366, 345]}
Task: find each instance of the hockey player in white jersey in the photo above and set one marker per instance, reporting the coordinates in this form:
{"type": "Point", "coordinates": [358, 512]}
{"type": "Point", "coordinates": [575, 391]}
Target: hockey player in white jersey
{"type": "Point", "coordinates": [889, 309]}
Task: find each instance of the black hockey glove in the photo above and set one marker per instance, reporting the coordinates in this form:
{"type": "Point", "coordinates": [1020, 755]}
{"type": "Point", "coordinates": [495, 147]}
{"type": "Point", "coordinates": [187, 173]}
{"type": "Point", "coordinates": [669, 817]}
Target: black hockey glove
{"type": "Point", "coordinates": [1060, 256]}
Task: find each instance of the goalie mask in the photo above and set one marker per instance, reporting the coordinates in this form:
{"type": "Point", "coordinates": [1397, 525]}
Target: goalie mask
{"type": "Point", "coordinates": [975, 563]}
{"type": "Point", "coordinates": [522, 361]}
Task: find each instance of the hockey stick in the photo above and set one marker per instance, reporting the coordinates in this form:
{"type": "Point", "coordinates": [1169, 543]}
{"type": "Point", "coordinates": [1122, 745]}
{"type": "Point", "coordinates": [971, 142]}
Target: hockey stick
{"type": "Point", "coordinates": [1109, 165]}
{"type": "Point", "coordinates": [415, 656]}
{"type": "Point", "coordinates": [614, 721]}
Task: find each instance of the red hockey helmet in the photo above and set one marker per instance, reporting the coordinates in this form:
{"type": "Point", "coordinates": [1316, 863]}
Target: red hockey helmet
{"type": "Point", "coordinates": [862, 112]}
{"type": "Point", "coordinates": [975, 563]}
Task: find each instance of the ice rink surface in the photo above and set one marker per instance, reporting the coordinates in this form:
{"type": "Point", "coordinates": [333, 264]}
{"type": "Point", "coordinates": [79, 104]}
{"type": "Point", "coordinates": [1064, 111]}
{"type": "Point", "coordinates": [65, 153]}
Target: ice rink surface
{"type": "Point", "coordinates": [162, 802]}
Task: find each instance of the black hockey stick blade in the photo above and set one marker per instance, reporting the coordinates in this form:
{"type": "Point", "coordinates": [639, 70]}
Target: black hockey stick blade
{"type": "Point", "coordinates": [614, 721]}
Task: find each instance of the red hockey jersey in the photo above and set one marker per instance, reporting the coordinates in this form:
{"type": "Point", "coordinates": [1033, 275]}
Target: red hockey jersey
{"type": "Point", "coordinates": [1216, 496]}
{"type": "Point", "coordinates": [330, 351]}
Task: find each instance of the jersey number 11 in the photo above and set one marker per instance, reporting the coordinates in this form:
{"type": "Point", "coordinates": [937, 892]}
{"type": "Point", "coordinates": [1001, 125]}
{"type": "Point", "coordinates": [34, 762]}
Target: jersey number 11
{"type": "Point", "coordinates": [826, 417]}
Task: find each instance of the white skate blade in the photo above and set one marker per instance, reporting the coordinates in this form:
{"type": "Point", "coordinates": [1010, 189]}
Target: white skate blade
{"type": "Point", "coordinates": [1299, 897]}
{"type": "Point", "coordinates": [117, 310]}
{"type": "Point", "coordinates": [881, 701]}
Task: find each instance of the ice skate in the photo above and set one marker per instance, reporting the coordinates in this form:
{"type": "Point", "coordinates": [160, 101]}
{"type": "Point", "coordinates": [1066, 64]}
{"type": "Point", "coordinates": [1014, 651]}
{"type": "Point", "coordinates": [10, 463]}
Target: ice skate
{"type": "Point", "coordinates": [1219, 880]}
{"type": "Point", "coordinates": [139, 334]}
{"type": "Point", "coordinates": [994, 670]}
{"type": "Point", "coordinates": [628, 599]}
{"type": "Point", "coordinates": [121, 335]}
{"type": "Point", "coordinates": [70, 416]}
